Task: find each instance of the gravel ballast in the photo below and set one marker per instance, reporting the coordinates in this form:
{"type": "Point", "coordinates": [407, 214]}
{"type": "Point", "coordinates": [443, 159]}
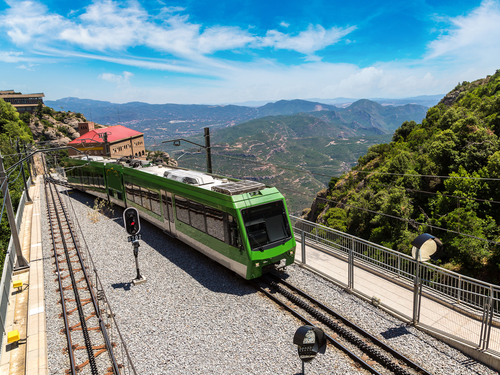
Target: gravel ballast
{"type": "Point", "coordinates": [193, 316]}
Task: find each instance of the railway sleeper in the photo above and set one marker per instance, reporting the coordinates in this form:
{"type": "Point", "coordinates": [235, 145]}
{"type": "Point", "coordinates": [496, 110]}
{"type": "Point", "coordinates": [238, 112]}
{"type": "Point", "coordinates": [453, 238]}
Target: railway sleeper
{"type": "Point", "coordinates": [343, 332]}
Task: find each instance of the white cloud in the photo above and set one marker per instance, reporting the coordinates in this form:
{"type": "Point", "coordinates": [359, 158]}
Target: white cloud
{"type": "Point", "coordinates": [10, 57]}
{"type": "Point", "coordinates": [474, 36]}
{"type": "Point", "coordinates": [30, 67]}
{"type": "Point", "coordinates": [314, 39]}
{"type": "Point", "coordinates": [118, 79]}
{"type": "Point", "coordinates": [27, 20]}
{"type": "Point", "coordinates": [106, 25]}
{"type": "Point", "coordinates": [106, 30]}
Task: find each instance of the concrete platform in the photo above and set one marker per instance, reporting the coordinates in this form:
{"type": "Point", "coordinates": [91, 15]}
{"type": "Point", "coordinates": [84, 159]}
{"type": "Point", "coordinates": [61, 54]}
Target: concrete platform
{"type": "Point", "coordinates": [26, 306]}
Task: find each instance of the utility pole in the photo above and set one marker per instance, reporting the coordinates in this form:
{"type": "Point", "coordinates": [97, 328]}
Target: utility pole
{"type": "Point", "coordinates": [177, 142]}
{"type": "Point", "coordinates": [21, 262]}
{"type": "Point", "coordinates": [104, 136]}
{"type": "Point", "coordinates": [208, 150]}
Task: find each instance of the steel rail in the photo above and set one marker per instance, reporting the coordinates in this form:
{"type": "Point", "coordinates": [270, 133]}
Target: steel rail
{"type": "Point", "coordinates": [63, 300]}
{"type": "Point", "coordinates": [353, 326]}
{"type": "Point", "coordinates": [337, 344]}
{"type": "Point", "coordinates": [98, 281]}
{"type": "Point", "coordinates": [92, 295]}
{"type": "Point", "coordinates": [83, 321]}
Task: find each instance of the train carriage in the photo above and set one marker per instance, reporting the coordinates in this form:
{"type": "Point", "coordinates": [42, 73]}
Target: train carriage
{"type": "Point", "coordinates": [241, 224]}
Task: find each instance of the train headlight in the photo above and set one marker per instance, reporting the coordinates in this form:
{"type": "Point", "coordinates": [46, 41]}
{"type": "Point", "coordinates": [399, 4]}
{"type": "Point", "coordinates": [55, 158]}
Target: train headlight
{"type": "Point", "coordinates": [257, 264]}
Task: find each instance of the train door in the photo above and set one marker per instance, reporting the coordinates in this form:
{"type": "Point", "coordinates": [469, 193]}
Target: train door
{"type": "Point", "coordinates": [168, 212]}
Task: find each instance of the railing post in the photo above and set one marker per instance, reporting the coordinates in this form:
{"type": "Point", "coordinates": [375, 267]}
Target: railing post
{"type": "Point", "coordinates": [416, 294]}
{"type": "Point", "coordinates": [459, 294]}
{"type": "Point", "coordinates": [350, 270]}
{"type": "Point", "coordinates": [303, 246]}
{"type": "Point", "coordinates": [490, 322]}
{"type": "Point", "coordinates": [399, 265]}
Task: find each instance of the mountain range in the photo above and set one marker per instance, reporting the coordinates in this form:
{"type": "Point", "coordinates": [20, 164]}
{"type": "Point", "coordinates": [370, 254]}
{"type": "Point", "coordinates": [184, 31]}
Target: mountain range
{"type": "Point", "coordinates": [163, 121]}
{"type": "Point", "coordinates": [297, 153]}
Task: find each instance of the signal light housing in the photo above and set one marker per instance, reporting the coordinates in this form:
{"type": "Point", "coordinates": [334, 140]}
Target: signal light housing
{"type": "Point", "coordinates": [131, 221]}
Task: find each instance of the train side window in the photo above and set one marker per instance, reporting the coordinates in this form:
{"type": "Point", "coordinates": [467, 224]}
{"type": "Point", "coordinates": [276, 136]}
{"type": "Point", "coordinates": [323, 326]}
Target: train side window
{"type": "Point", "coordinates": [164, 203]}
{"type": "Point", "coordinates": [98, 180]}
{"type": "Point", "coordinates": [85, 178]}
{"type": "Point", "coordinates": [146, 201]}
{"type": "Point", "coordinates": [215, 223]}
{"type": "Point", "coordinates": [155, 202]}
{"type": "Point", "coordinates": [181, 207]}
{"type": "Point", "coordinates": [136, 191]}
{"type": "Point", "coordinates": [170, 207]}
{"type": "Point", "coordinates": [197, 215]}
{"type": "Point", "coordinates": [129, 191]}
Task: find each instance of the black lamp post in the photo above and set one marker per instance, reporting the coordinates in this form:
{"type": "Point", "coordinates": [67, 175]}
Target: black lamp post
{"type": "Point", "coordinates": [177, 142]}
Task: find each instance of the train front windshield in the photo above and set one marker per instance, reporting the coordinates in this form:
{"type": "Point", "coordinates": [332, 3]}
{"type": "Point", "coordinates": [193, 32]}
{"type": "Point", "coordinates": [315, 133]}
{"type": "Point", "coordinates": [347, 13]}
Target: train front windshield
{"type": "Point", "coordinates": [266, 225]}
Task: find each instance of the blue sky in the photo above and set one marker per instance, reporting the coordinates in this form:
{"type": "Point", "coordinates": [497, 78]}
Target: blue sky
{"type": "Point", "coordinates": [234, 51]}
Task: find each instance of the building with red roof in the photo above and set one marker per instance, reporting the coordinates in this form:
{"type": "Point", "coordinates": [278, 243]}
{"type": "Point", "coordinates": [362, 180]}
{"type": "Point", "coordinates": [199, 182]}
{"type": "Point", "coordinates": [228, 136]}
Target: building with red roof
{"type": "Point", "coordinates": [113, 141]}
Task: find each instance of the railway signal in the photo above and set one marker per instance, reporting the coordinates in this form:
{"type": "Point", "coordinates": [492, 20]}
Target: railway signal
{"type": "Point", "coordinates": [133, 227]}
{"type": "Point", "coordinates": [131, 221]}
{"type": "Point", "coordinates": [310, 341]}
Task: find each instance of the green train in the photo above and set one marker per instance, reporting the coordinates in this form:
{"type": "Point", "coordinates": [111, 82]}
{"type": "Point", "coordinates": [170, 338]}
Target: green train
{"type": "Point", "coordinates": [241, 224]}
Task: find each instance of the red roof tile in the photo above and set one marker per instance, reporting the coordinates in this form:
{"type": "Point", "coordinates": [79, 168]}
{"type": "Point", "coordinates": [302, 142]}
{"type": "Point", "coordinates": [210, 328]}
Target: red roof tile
{"type": "Point", "coordinates": [115, 133]}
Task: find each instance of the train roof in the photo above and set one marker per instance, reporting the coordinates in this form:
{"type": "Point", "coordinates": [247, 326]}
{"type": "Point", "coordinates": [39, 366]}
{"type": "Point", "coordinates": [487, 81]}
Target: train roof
{"type": "Point", "coordinates": [206, 181]}
{"type": "Point", "coordinates": [193, 178]}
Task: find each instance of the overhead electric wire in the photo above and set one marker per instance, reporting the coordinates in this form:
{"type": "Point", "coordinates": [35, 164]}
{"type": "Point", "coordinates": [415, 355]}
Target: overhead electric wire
{"type": "Point", "coordinates": [354, 171]}
{"type": "Point", "coordinates": [408, 189]}
{"type": "Point", "coordinates": [275, 165]}
{"type": "Point", "coordinates": [409, 221]}
{"type": "Point", "coordinates": [430, 176]}
{"type": "Point", "coordinates": [439, 193]}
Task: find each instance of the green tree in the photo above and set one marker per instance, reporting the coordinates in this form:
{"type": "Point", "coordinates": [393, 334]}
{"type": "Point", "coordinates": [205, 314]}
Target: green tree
{"type": "Point", "coordinates": [11, 127]}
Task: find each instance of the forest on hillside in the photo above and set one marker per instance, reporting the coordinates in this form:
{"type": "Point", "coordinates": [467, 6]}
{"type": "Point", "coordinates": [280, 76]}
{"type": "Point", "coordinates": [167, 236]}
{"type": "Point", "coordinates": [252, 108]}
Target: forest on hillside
{"type": "Point", "coordinates": [440, 177]}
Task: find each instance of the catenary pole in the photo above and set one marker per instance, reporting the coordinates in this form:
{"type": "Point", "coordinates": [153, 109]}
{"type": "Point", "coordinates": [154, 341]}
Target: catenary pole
{"type": "Point", "coordinates": [208, 150]}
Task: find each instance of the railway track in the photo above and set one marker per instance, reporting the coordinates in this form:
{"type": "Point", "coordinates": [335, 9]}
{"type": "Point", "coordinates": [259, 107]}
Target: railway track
{"type": "Point", "coordinates": [363, 348]}
{"type": "Point", "coordinates": [90, 348]}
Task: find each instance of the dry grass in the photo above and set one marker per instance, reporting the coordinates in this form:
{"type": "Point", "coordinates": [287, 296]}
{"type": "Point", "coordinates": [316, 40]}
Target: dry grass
{"type": "Point", "coordinates": [101, 207]}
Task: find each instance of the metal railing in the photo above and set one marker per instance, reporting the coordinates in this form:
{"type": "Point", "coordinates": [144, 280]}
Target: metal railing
{"type": "Point", "coordinates": [464, 296]}
{"type": "Point", "coordinates": [8, 266]}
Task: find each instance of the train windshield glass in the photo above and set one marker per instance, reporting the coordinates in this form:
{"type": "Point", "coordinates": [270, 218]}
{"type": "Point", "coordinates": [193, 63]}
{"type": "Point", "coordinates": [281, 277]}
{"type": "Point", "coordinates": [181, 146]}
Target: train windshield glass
{"type": "Point", "coordinates": [266, 224]}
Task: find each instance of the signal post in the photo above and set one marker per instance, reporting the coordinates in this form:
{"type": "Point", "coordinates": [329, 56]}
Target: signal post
{"type": "Point", "coordinates": [133, 227]}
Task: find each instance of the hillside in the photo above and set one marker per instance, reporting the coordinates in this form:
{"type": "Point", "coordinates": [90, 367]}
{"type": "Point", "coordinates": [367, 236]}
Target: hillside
{"type": "Point", "coordinates": [297, 153]}
{"type": "Point", "coordinates": [163, 121]}
{"type": "Point", "coordinates": [439, 177]}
